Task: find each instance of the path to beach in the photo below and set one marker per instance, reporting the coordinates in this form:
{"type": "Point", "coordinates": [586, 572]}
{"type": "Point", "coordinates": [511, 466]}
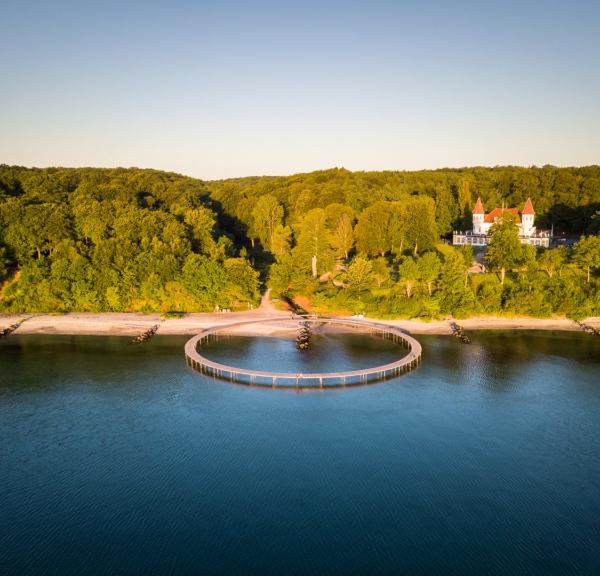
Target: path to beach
{"type": "Point", "coordinates": [132, 324]}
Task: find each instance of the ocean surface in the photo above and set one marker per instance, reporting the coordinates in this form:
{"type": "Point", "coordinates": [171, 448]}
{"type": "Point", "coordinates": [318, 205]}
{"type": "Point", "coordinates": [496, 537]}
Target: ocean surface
{"type": "Point", "coordinates": [118, 459]}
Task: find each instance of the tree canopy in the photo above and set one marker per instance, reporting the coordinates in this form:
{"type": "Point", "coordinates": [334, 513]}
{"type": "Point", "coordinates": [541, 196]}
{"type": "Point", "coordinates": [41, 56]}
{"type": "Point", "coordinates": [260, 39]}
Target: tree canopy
{"type": "Point", "coordinates": [94, 239]}
{"type": "Point", "coordinates": [144, 240]}
{"type": "Point", "coordinates": [505, 249]}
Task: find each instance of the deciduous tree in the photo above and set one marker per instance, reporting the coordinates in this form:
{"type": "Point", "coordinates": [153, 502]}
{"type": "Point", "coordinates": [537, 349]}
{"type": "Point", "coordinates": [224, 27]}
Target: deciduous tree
{"type": "Point", "coordinates": [429, 269]}
{"type": "Point", "coordinates": [281, 240]}
{"type": "Point", "coordinates": [343, 236]}
{"type": "Point", "coordinates": [266, 216]}
{"type": "Point", "coordinates": [409, 274]}
{"type": "Point", "coordinates": [504, 250]}
{"type": "Point", "coordinates": [586, 254]}
{"type": "Point", "coordinates": [359, 276]}
{"type": "Point", "coordinates": [552, 260]}
{"type": "Point", "coordinates": [372, 237]}
{"type": "Point", "coordinates": [313, 247]}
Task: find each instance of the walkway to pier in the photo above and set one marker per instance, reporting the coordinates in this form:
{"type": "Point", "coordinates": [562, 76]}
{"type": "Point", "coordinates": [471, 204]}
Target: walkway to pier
{"type": "Point", "coordinates": [287, 380]}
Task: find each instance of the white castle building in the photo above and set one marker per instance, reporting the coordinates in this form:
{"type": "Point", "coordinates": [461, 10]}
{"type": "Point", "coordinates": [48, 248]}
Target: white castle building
{"type": "Point", "coordinates": [482, 222]}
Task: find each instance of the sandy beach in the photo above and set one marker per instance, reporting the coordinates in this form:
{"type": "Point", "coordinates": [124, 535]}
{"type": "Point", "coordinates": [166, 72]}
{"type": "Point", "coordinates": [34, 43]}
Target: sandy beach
{"type": "Point", "coordinates": [132, 324]}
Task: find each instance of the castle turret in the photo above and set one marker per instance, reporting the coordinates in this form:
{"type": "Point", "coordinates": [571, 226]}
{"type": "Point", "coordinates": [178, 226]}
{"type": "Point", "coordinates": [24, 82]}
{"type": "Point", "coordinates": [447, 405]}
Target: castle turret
{"type": "Point", "coordinates": [527, 218]}
{"type": "Point", "coordinates": [478, 217]}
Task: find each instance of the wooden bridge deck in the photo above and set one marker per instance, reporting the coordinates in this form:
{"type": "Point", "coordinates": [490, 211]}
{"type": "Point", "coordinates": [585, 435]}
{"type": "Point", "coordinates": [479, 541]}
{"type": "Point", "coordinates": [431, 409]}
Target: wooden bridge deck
{"type": "Point", "coordinates": [309, 380]}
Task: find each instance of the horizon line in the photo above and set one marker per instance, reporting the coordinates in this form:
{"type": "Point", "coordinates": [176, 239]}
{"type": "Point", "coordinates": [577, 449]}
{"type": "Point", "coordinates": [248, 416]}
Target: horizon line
{"type": "Point", "coordinates": [299, 173]}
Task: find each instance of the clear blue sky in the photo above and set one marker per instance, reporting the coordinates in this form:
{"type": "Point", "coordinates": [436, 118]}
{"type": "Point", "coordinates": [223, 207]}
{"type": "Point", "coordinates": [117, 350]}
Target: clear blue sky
{"type": "Point", "coordinates": [224, 88]}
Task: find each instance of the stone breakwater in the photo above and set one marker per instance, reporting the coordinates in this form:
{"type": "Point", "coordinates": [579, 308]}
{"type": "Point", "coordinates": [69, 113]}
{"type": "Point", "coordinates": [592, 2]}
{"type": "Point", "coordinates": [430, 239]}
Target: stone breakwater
{"type": "Point", "coordinates": [132, 324]}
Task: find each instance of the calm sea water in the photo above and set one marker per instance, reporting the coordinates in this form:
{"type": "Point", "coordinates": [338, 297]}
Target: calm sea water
{"type": "Point", "coordinates": [117, 459]}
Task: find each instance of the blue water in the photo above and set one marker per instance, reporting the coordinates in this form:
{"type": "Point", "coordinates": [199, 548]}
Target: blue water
{"type": "Point", "coordinates": [118, 459]}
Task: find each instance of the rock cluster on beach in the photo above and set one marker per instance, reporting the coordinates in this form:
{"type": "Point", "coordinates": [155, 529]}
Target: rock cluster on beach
{"type": "Point", "coordinates": [587, 328]}
{"type": "Point", "coordinates": [146, 335]}
{"type": "Point", "coordinates": [7, 331]}
{"type": "Point", "coordinates": [304, 334]}
{"type": "Point", "coordinates": [458, 332]}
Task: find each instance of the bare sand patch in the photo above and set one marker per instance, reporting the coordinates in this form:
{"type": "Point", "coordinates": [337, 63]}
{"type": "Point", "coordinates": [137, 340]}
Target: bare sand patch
{"type": "Point", "coordinates": [132, 324]}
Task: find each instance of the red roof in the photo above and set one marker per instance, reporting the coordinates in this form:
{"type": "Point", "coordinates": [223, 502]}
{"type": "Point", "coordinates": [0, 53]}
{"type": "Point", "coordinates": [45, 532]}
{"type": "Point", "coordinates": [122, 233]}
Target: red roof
{"type": "Point", "coordinates": [497, 212]}
{"type": "Point", "coordinates": [478, 207]}
{"type": "Point", "coordinates": [528, 208]}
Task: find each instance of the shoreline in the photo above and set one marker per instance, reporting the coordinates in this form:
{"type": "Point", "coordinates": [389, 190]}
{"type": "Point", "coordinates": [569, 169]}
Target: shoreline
{"type": "Point", "coordinates": [133, 323]}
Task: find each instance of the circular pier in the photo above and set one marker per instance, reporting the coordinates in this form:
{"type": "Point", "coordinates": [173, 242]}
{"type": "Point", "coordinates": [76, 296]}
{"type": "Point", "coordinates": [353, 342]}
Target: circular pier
{"type": "Point", "coordinates": [289, 380]}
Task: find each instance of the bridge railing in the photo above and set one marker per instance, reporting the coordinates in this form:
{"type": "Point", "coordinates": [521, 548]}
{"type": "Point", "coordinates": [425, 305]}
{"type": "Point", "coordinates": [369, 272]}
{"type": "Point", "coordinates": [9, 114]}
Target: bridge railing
{"type": "Point", "coordinates": [266, 378]}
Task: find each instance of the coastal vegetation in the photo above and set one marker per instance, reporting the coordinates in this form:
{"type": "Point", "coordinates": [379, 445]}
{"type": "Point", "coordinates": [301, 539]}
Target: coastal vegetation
{"type": "Point", "coordinates": [360, 242]}
{"type": "Point", "coordinates": [116, 240]}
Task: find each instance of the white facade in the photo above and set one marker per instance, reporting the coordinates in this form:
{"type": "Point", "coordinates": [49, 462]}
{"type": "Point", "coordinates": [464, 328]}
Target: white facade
{"type": "Point", "coordinates": [482, 222]}
{"type": "Point", "coordinates": [526, 226]}
{"type": "Point", "coordinates": [541, 238]}
{"type": "Point", "coordinates": [479, 226]}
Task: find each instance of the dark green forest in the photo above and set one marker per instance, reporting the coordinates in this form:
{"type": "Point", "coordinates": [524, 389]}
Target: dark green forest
{"type": "Point", "coordinates": [120, 240]}
{"type": "Point", "coordinates": [371, 242]}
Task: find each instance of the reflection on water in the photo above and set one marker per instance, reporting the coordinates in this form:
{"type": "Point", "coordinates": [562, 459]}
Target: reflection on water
{"type": "Point", "coordinates": [118, 459]}
{"type": "Point", "coordinates": [329, 352]}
